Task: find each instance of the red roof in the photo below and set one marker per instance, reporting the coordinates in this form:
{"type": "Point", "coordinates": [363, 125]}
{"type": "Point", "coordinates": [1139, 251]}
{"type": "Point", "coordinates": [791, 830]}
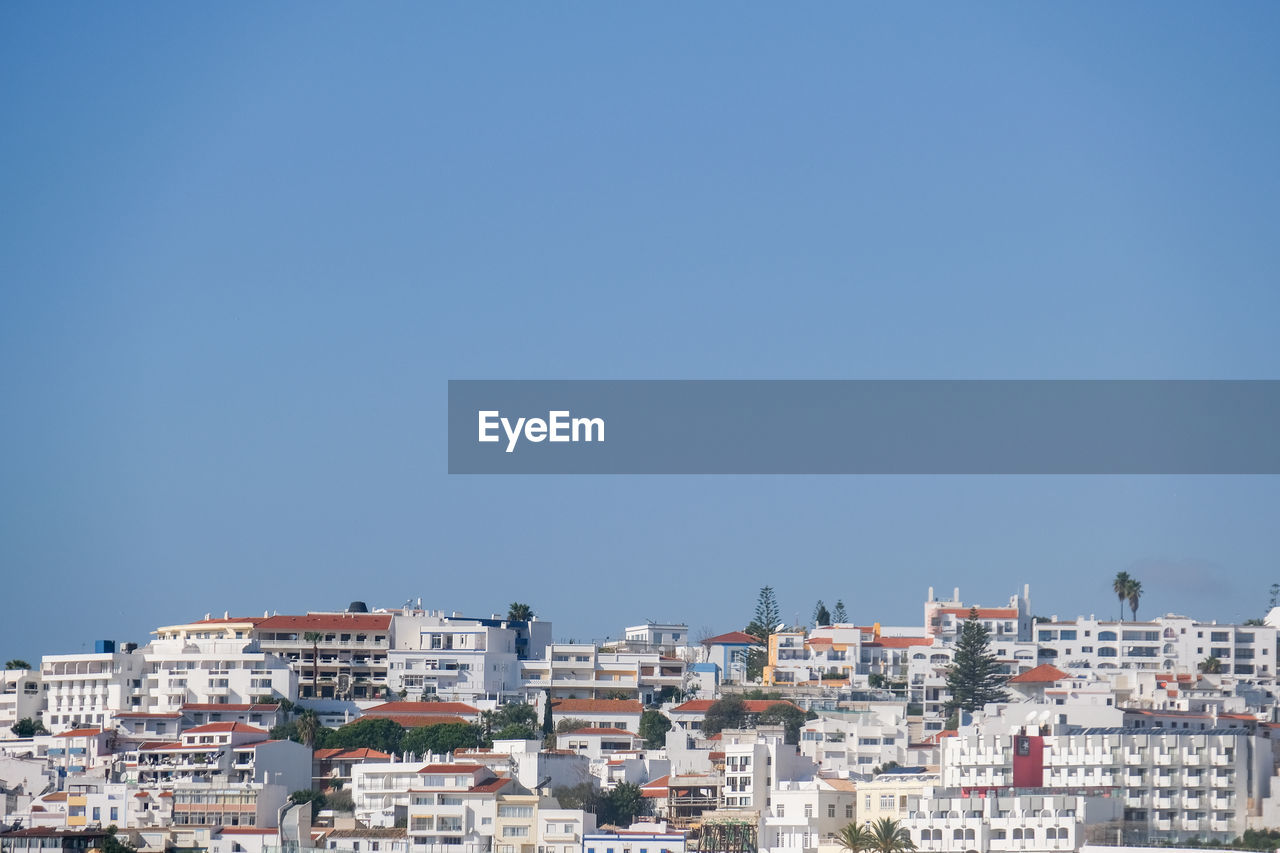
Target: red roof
{"type": "Point", "coordinates": [412, 721]}
{"type": "Point", "coordinates": [387, 709]}
{"type": "Point", "coordinates": [247, 830]}
{"type": "Point", "coordinates": [363, 754]}
{"type": "Point", "coordinates": [733, 638]}
{"type": "Point", "coordinates": [1045, 673]}
{"type": "Point", "coordinates": [596, 706]}
{"type": "Point", "coordinates": [655, 789]}
{"type": "Point", "coordinates": [209, 728]}
{"type": "Point", "coordinates": [327, 622]}
{"type": "Point", "coordinates": [902, 642]}
{"type": "Point", "coordinates": [228, 620]}
{"type": "Point", "coordinates": [754, 706]}
{"type": "Point", "coordinates": [166, 793]}
{"type": "Point", "coordinates": [489, 786]}
{"type": "Point", "coordinates": [81, 733]}
{"type": "Point", "coordinates": [594, 730]}
{"type": "Point", "coordinates": [446, 769]}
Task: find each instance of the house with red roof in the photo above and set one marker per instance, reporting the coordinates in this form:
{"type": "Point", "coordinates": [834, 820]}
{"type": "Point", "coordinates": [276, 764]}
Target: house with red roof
{"type": "Point", "coordinates": [346, 657]}
{"type": "Point", "coordinates": [727, 655]}
{"type": "Point", "coordinates": [599, 743]}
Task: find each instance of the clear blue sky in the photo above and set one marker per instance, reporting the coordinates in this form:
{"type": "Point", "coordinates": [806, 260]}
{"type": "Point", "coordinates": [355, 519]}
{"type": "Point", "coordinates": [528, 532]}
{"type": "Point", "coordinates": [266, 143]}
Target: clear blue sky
{"type": "Point", "coordinates": [243, 248]}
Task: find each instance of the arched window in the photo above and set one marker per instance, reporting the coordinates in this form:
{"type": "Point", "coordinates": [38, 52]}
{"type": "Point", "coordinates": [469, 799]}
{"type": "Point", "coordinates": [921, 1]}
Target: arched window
{"type": "Point", "coordinates": [1017, 835]}
{"type": "Point", "coordinates": [1031, 834]}
{"type": "Point", "coordinates": [968, 835]}
{"type": "Point", "coordinates": [1106, 636]}
{"type": "Point", "coordinates": [937, 835]}
{"type": "Point", "coordinates": [1169, 633]}
{"type": "Point", "coordinates": [958, 835]}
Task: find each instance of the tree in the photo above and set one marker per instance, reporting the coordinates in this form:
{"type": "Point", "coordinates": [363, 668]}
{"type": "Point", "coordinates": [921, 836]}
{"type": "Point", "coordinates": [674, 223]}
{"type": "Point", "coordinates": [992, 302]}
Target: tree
{"type": "Point", "coordinates": [314, 638]}
{"type": "Point", "coordinates": [307, 724]}
{"type": "Point", "coordinates": [370, 733]}
{"type": "Point", "coordinates": [839, 615]}
{"type": "Point", "coordinates": [727, 713]}
{"type": "Point", "coordinates": [786, 715]}
{"type": "Point", "coordinates": [767, 615]}
{"type": "Point", "coordinates": [1120, 586]}
{"type": "Point", "coordinates": [548, 727]}
{"type": "Point", "coordinates": [821, 616]}
{"type": "Point", "coordinates": [854, 838]}
{"type": "Point", "coordinates": [1211, 666]}
{"type": "Point", "coordinates": [518, 612]}
{"type": "Point", "coordinates": [442, 738]}
{"type": "Point", "coordinates": [17, 663]}
{"type": "Point", "coordinates": [516, 731]}
{"type": "Point", "coordinates": [1134, 595]}
{"type": "Point", "coordinates": [654, 726]}
{"type": "Point", "coordinates": [340, 800]}
{"type": "Point", "coordinates": [1275, 596]}
{"type": "Point", "coordinates": [621, 805]}
{"type": "Point", "coordinates": [974, 678]}
{"type": "Point", "coordinates": [113, 844]}
{"type": "Point", "coordinates": [889, 836]}
{"type": "Point", "coordinates": [309, 795]}
{"type": "Point", "coordinates": [571, 724]}
{"type": "Point", "coordinates": [28, 727]}
{"type": "Point", "coordinates": [584, 795]}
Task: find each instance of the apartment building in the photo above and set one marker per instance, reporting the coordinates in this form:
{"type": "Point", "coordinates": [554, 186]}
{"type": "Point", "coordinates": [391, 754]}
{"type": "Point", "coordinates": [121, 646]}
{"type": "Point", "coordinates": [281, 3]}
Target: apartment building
{"type": "Point", "coordinates": [602, 713]}
{"type": "Point", "coordinates": [452, 657]}
{"type": "Point", "coordinates": [1174, 784]}
{"type": "Point", "coordinates": [380, 790]}
{"type": "Point", "coordinates": [581, 671]}
{"type": "Point", "coordinates": [563, 830]}
{"type": "Point", "coordinates": [755, 761]}
{"type": "Point", "coordinates": [1168, 644]}
{"type": "Point", "coordinates": [87, 690]}
{"type": "Point", "coordinates": [221, 805]}
{"type": "Point", "coordinates": [666, 638]}
{"type": "Point", "coordinates": [515, 828]}
{"type": "Point", "coordinates": [21, 696]}
{"type": "Point", "coordinates": [222, 753]}
{"type": "Point", "coordinates": [856, 742]}
{"type": "Point", "coordinates": [453, 808]}
{"type": "Point", "coordinates": [346, 656]}
{"type": "Point", "coordinates": [1028, 822]}
{"type": "Point", "coordinates": [805, 813]}
{"type": "Point", "coordinates": [213, 661]}
{"type": "Point", "coordinates": [943, 620]}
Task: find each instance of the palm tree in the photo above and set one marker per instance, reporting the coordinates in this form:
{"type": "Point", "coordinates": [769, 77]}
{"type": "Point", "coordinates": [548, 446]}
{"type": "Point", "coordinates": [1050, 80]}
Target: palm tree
{"type": "Point", "coordinates": [308, 725]}
{"type": "Point", "coordinates": [889, 836]}
{"type": "Point", "coordinates": [518, 612]}
{"type": "Point", "coordinates": [1211, 665]}
{"type": "Point", "coordinates": [17, 663]}
{"type": "Point", "coordinates": [314, 637]}
{"type": "Point", "coordinates": [1135, 593]}
{"type": "Point", "coordinates": [1120, 586]}
{"type": "Point", "coordinates": [854, 838]}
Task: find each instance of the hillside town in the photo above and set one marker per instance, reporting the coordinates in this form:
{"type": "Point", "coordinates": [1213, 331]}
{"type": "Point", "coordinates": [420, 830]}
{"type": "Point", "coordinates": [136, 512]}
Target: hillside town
{"type": "Point", "coordinates": [987, 726]}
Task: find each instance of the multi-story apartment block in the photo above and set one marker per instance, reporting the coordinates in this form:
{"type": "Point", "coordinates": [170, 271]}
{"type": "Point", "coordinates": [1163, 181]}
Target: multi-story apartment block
{"type": "Point", "coordinates": [943, 620]}
{"type": "Point", "coordinates": [86, 690]}
{"type": "Point", "coordinates": [346, 656]}
{"type": "Point", "coordinates": [755, 762]}
{"type": "Point", "coordinates": [1168, 644]}
{"type": "Point", "coordinates": [805, 813]}
{"type": "Point", "coordinates": [452, 808]}
{"type": "Point", "coordinates": [603, 713]}
{"type": "Point", "coordinates": [1029, 822]}
{"type": "Point", "coordinates": [563, 830]}
{"type": "Point", "coordinates": [218, 804]}
{"type": "Point", "coordinates": [380, 790]}
{"type": "Point", "coordinates": [21, 696]}
{"type": "Point", "coordinates": [223, 753]}
{"type": "Point", "coordinates": [1174, 784]}
{"type": "Point", "coordinates": [515, 829]}
{"type": "Point", "coordinates": [849, 742]}
{"type": "Point", "coordinates": [581, 671]}
{"type": "Point", "coordinates": [453, 657]}
{"type": "Point", "coordinates": [213, 661]}
{"type": "Point", "coordinates": [670, 639]}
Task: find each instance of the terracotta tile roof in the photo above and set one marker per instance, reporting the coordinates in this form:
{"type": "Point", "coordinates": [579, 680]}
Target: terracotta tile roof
{"type": "Point", "coordinates": [596, 706]}
{"type": "Point", "coordinates": [166, 793]}
{"type": "Point", "coordinates": [754, 706]}
{"type": "Point", "coordinates": [229, 620]}
{"type": "Point", "coordinates": [733, 638]}
{"type": "Point", "coordinates": [820, 641]}
{"type": "Point", "coordinates": [55, 797]}
{"type": "Point", "coordinates": [327, 622]}
{"type": "Point", "coordinates": [425, 708]}
{"type": "Point", "coordinates": [489, 786]}
{"type": "Point", "coordinates": [901, 642]}
{"type": "Point", "coordinates": [247, 830]}
{"type": "Point", "coordinates": [1045, 673]}
{"type": "Point", "coordinates": [146, 715]}
{"type": "Point", "coordinates": [452, 769]}
{"type": "Point", "coordinates": [412, 721]}
{"type": "Point", "coordinates": [81, 733]}
{"type": "Point", "coordinates": [362, 754]}
{"type": "Point", "coordinates": [210, 728]}
{"type": "Point", "coordinates": [657, 789]}
{"type": "Point", "coordinates": [595, 730]}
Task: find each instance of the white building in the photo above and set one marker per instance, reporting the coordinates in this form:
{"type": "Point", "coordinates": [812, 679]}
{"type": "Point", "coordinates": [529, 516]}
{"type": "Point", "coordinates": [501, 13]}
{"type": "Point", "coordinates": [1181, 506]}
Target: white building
{"type": "Point", "coordinates": [453, 657]}
{"type": "Point", "coordinates": [21, 697]}
{"type": "Point", "coordinates": [581, 671]}
{"type": "Point", "coordinates": [1028, 822]}
{"type": "Point", "coordinates": [849, 742]}
{"type": "Point", "coordinates": [213, 661]}
{"type": "Point", "coordinates": [452, 808]}
{"type": "Point", "coordinates": [347, 657]}
{"type": "Point", "coordinates": [86, 690]}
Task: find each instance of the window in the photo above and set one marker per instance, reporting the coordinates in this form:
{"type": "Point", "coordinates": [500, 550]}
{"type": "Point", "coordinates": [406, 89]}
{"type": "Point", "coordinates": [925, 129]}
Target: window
{"type": "Point", "coordinates": [831, 809]}
{"type": "Point", "coordinates": [848, 811]}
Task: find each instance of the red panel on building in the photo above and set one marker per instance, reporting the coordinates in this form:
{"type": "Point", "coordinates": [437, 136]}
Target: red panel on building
{"type": "Point", "coordinates": [1028, 761]}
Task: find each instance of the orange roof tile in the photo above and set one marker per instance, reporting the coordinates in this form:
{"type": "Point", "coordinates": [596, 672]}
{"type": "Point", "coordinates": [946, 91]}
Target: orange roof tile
{"type": "Point", "coordinates": [596, 706]}
{"type": "Point", "coordinates": [81, 733]}
{"type": "Point", "coordinates": [733, 638]}
{"type": "Point", "coordinates": [983, 612]}
{"type": "Point", "coordinates": [209, 728]}
{"type": "Point", "coordinates": [1045, 673]}
{"type": "Point", "coordinates": [327, 622]}
{"type": "Point", "coordinates": [595, 730]}
{"type": "Point", "coordinates": [754, 706]}
{"type": "Point", "coordinates": [424, 708]}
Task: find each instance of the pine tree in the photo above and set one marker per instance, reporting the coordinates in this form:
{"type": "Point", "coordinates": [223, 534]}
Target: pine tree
{"type": "Point", "coordinates": [821, 616]}
{"type": "Point", "coordinates": [839, 615]}
{"type": "Point", "coordinates": [974, 678]}
{"type": "Point", "coordinates": [768, 614]}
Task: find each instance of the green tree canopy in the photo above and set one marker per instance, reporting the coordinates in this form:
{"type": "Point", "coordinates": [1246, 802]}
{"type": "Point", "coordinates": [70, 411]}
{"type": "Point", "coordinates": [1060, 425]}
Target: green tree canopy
{"type": "Point", "coordinates": [1120, 586]}
{"type": "Point", "coordinates": [442, 738]}
{"type": "Point", "coordinates": [571, 724]}
{"type": "Point", "coordinates": [889, 836]}
{"type": "Point", "coordinates": [854, 838]}
{"type": "Point", "coordinates": [370, 733]}
{"type": "Point", "coordinates": [518, 612]}
{"type": "Point", "coordinates": [821, 616]}
{"type": "Point", "coordinates": [16, 663]}
{"type": "Point", "coordinates": [654, 726]}
{"type": "Point", "coordinates": [974, 677]}
{"type": "Point", "coordinates": [839, 615]}
{"type": "Point", "coordinates": [28, 727]}
{"type": "Point", "coordinates": [729, 712]}
{"type": "Point", "coordinates": [786, 715]}
{"type": "Point", "coordinates": [621, 805]}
